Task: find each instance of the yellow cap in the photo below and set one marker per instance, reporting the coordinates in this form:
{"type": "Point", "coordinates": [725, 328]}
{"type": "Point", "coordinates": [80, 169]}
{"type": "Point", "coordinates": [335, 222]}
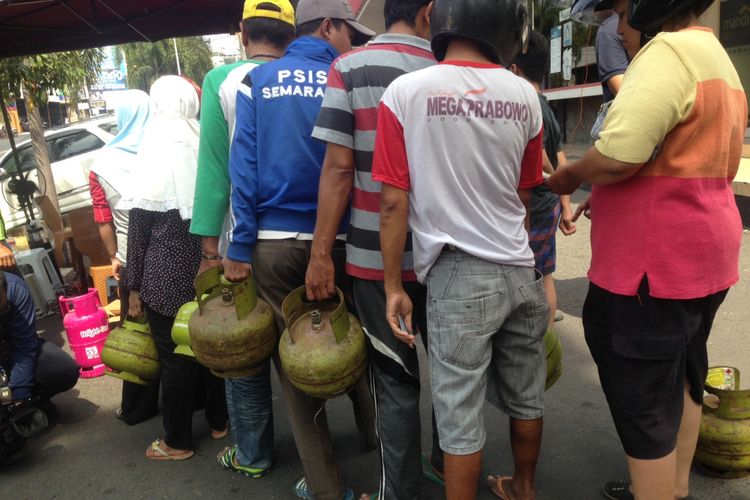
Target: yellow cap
{"type": "Point", "coordinates": [285, 12]}
{"type": "Point", "coordinates": [255, 8]}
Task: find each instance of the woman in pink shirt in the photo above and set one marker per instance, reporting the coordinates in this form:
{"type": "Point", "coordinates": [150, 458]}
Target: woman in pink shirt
{"type": "Point", "coordinates": [665, 235]}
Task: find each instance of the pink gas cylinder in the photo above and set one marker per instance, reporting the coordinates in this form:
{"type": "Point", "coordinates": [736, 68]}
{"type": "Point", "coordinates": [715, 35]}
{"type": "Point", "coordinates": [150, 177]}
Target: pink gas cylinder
{"type": "Point", "coordinates": [87, 328]}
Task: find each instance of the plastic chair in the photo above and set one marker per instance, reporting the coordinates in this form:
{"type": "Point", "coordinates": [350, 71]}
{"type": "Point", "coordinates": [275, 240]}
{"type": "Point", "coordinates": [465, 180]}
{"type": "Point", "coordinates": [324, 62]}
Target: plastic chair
{"type": "Point", "coordinates": [61, 234]}
{"type": "Point", "coordinates": [88, 241]}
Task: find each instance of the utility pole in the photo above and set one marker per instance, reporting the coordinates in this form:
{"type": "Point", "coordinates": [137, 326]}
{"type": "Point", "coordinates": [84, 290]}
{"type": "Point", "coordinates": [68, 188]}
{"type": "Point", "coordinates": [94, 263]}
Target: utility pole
{"type": "Point", "coordinates": [177, 56]}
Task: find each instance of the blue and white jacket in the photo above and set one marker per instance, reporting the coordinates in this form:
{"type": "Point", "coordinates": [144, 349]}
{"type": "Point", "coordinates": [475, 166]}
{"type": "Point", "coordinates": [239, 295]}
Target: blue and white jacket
{"type": "Point", "coordinates": [274, 162]}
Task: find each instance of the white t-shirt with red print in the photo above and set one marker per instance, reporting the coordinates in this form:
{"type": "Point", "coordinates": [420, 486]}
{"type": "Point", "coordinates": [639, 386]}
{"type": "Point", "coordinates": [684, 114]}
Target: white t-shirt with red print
{"type": "Point", "coordinates": [462, 138]}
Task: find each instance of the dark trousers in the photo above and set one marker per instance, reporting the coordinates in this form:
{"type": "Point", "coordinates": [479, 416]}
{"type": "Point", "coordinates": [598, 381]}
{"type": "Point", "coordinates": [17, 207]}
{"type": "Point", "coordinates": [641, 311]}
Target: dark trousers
{"type": "Point", "coordinates": [139, 402]}
{"type": "Point", "coordinates": [56, 371]}
{"type": "Point", "coordinates": [181, 380]}
{"type": "Point", "coordinates": [279, 267]}
{"type": "Point", "coordinates": [394, 372]}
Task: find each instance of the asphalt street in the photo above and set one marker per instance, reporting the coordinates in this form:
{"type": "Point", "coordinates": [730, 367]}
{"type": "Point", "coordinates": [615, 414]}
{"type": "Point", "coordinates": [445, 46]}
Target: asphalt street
{"type": "Point", "coordinates": [91, 454]}
{"type": "Point", "coordinates": [5, 144]}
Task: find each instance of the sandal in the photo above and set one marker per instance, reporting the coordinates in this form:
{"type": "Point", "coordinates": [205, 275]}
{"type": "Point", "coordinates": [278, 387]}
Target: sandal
{"type": "Point", "coordinates": [216, 434]}
{"type": "Point", "coordinates": [227, 460]}
{"type": "Point", "coordinates": [156, 452]}
{"type": "Point", "coordinates": [496, 485]}
{"type": "Point", "coordinates": [220, 433]}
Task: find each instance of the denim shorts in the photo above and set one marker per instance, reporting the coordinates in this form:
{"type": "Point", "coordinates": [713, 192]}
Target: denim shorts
{"type": "Point", "coordinates": [487, 323]}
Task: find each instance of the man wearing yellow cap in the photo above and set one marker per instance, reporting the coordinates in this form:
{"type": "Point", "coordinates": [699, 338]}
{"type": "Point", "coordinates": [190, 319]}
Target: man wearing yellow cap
{"type": "Point", "coordinates": [267, 28]}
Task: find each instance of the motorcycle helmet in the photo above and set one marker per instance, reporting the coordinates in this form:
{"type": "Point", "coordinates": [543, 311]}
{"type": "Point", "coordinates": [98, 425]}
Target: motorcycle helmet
{"type": "Point", "coordinates": [648, 16]}
{"type": "Point", "coordinates": [591, 12]}
{"type": "Point", "coordinates": [500, 27]}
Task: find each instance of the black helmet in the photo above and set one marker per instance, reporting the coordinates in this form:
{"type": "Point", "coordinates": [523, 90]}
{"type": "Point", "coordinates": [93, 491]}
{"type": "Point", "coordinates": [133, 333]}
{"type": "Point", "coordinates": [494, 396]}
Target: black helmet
{"type": "Point", "coordinates": [501, 27]}
{"type": "Point", "coordinates": [591, 12]}
{"type": "Point", "coordinates": [648, 16]}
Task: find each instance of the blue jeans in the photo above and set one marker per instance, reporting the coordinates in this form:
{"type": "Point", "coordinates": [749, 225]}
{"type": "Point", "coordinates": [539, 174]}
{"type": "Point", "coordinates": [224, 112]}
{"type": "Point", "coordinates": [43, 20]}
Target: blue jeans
{"type": "Point", "coordinates": [251, 417]}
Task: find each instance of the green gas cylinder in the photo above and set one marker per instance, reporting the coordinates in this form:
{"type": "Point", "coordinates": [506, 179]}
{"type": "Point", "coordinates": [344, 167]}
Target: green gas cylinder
{"type": "Point", "coordinates": [180, 333]}
{"type": "Point", "coordinates": [322, 349]}
{"type": "Point", "coordinates": [724, 437]}
{"type": "Point", "coordinates": [130, 352]}
{"type": "Point", "coordinates": [553, 349]}
{"type": "Point", "coordinates": [233, 331]}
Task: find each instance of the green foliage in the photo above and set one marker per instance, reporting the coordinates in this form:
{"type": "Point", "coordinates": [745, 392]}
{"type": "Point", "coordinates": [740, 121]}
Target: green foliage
{"type": "Point", "coordinates": [42, 73]}
{"type": "Point", "coordinates": [148, 61]}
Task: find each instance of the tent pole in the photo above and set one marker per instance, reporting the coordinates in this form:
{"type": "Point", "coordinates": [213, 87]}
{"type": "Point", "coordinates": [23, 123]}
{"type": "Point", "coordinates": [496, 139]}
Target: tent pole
{"type": "Point", "coordinates": [177, 56]}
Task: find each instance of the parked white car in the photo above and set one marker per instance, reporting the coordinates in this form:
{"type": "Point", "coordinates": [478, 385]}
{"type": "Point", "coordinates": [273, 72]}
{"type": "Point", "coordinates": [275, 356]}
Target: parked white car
{"type": "Point", "coordinates": [71, 151]}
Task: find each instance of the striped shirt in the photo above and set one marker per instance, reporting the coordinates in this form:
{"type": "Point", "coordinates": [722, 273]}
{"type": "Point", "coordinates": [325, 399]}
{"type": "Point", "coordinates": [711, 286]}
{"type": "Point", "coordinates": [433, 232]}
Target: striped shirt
{"type": "Point", "coordinates": [356, 83]}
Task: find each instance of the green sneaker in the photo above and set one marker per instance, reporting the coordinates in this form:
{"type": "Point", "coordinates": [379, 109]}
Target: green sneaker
{"type": "Point", "coordinates": [227, 460]}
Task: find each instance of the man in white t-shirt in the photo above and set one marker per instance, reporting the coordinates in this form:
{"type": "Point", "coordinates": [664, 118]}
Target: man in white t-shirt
{"type": "Point", "coordinates": [458, 148]}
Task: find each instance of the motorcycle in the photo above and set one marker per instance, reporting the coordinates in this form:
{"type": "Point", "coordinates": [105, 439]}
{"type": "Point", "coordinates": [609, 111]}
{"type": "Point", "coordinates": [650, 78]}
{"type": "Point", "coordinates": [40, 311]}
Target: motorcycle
{"type": "Point", "coordinates": [19, 421]}
{"type": "Point", "coordinates": [4, 132]}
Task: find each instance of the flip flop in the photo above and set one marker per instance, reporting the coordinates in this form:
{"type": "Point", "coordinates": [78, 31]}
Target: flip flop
{"type": "Point", "coordinates": [160, 454]}
{"type": "Point", "coordinates": [496, 485]}
{"type": "Point", "coordinates": [216, 434]}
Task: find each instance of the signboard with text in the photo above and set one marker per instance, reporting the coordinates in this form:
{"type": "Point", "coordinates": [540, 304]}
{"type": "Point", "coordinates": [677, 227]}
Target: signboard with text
{"type": "Point", "coordinates": [555, 50]}
{"type": "Point", "coordinates": [735, 23]}
{"type": "Point", "coordinates": [112, 76]}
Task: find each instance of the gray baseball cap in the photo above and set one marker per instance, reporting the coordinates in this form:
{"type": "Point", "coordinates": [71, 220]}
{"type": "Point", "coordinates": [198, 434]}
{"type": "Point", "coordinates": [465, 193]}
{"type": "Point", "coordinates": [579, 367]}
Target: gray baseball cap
{"type": "Point", "coordinates": [310, 10]}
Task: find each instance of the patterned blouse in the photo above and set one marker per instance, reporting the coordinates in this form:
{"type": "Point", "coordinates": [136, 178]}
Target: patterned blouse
{"type": "Point", "coordinates": [163, 259]}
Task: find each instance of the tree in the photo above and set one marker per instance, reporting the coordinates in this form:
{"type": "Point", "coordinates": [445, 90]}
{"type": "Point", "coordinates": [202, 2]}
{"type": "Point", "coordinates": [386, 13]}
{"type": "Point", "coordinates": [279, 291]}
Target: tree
{"type": "Point", "coordinates": [148, 61]}
{"type": "Point", "coordinates": [39, 75]}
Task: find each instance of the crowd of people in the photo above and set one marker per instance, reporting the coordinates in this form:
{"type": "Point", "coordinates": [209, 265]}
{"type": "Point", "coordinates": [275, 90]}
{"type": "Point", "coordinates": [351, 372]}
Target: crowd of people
{"type": "Point", "coordinates": [410, 173]}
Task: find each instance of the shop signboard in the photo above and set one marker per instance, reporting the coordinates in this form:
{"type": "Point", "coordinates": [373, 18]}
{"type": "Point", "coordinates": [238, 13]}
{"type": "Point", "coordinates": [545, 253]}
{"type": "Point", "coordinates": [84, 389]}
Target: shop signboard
{"type": "Point", "coordinates": [112, 76]}
{"type": "Point", "coordinates": [567, 34]}
{"type": "Point", "coordinates": [735, 23]}
{"type": "Point", "coordinates": [555, 50]}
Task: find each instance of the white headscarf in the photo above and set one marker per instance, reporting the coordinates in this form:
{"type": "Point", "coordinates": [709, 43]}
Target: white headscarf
{"type": "Point", "coordinates": [163, 178]}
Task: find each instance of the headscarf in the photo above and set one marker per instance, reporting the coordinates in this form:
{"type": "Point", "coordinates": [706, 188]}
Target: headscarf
{"type": "Point", "coordinates": [163, 178]}
{"type": "Point", "coordinates": [114, 161]}
{"type": "Point", "coordinates": [132, 112]}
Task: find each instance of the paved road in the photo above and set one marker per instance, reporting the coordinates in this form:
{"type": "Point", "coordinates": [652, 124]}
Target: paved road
{"type": "Point", "coordinates": [90, 454]}
{"type": "Point", "coordinates": [5, 144]}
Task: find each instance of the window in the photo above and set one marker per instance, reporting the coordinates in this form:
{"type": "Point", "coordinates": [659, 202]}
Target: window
{"type": "Point", "coordinates": [74, 144]}
{"type": "Point", "coordinates": [26, 156]}
{"type": "Point", "coordinates": [110, 128]}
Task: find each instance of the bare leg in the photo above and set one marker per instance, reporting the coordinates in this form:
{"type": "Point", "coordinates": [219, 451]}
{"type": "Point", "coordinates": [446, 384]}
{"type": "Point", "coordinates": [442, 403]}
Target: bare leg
{"type": "Point", "coordinates": [549, 290]}
{"type": "Point", "coordinates": [687, 439]}
{"type": "Point", "coordinates": [461, 475]}
{"type": "Point", "coordinates": [526, 441]}
{"type": "Point", "coordinates": [653, 479]}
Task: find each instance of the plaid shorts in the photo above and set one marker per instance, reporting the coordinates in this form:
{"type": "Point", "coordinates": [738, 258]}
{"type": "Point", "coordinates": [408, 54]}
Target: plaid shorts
{"type": "Point", "coordinates": [542, 240]}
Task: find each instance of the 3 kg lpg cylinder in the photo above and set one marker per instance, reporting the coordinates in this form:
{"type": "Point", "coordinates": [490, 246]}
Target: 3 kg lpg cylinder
{"type": "Point", "coordinates": [130, 352]}
{"type": "Point", "coordinates": [724, 438]}
{"type": "Point", "coordinates": [233, 331]}
{"type": "Point", "coordinates": [322, 350]}
{"type": "Point", "coordinates": [86, 327]}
